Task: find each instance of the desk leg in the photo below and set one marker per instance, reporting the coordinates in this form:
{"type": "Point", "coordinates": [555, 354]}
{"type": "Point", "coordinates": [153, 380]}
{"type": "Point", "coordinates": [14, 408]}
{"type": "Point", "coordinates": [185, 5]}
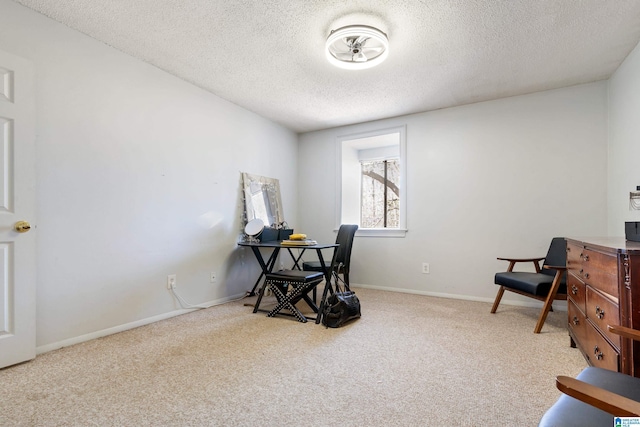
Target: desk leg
{"type": "Point", "coordinates": [266, 268]}
{"type": "Point", "coordinates": [260, 295]}
{"type": "Point", "coordinates": [295, 259]}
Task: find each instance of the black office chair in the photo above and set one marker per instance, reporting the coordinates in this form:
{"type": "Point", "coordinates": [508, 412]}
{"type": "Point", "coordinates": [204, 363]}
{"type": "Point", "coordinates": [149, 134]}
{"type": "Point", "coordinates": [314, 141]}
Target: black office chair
{"type": "Point", "coordinates": [345, 236]}
{"type": "Point", "coordinates": [596, 395]}
{"type": "Point", "coordinates": [546, 285]}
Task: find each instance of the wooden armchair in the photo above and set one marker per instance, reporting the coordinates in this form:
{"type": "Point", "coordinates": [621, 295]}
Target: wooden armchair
{"type": "Point", "coordinates": [546, 284]}
{"type": "Point", "coordinates": [596, 395]}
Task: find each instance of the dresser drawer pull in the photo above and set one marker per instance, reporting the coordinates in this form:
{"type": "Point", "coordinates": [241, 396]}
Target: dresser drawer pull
{"type": "Point", "coordinates": [576, 321]}
{"type": "Point", "coordinates": [574, 289]}
{"type": "Point", "coordinates": [586, 275]}
{"type": "Point", "coordinates": [584, 257]}
{"type": "Point", "coordinates": [598, 353]}
{"type": "Point", "coordinates": [599, 312]}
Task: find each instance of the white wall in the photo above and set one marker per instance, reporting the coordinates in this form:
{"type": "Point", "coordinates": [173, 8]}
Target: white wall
{"type": "Point", "coordinates": [624, 141]}
{"type": "Point", "coordinates": [134, 166]}
{"type": "Point", "coordinates": [492, 179]}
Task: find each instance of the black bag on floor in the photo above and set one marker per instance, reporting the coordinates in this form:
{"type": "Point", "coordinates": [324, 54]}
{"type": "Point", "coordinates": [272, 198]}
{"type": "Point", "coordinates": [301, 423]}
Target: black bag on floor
{"type": "Point", "coordinates": [340, 308]}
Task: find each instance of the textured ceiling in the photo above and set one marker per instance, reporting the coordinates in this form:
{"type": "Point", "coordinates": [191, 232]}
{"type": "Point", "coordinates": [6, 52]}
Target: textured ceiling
{"type": "Point", "coordinates": [267, 55]}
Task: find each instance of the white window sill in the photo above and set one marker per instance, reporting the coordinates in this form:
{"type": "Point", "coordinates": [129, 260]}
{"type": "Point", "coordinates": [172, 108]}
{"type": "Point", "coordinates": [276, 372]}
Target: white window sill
{"type": "Point", "coordinates": [381, 232]}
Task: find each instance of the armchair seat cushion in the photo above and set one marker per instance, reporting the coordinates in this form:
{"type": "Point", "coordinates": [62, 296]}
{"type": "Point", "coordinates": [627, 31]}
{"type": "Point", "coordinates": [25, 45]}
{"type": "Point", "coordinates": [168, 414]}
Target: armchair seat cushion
{"type": "Point", "coordinates": [531, 283]}
{"type": "Point", "coordinates": [570, 412]}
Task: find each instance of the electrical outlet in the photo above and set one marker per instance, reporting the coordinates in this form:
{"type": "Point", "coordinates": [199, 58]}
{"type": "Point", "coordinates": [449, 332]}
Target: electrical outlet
{"type": "Point", "coordinates": [171, 281]}
{"type": "Point", "coordinates": [425, 268]}
{"type": "Point", "coordinates": [212, 277]}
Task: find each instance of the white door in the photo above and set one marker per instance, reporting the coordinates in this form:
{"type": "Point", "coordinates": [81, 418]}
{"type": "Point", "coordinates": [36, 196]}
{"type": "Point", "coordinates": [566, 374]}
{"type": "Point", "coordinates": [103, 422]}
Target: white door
{"type": "Point", "coordinates": [17, 203]}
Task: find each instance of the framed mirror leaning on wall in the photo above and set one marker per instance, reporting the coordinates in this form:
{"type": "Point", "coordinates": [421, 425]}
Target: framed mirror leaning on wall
{"type": "Point", "coordinates": [262, 199]}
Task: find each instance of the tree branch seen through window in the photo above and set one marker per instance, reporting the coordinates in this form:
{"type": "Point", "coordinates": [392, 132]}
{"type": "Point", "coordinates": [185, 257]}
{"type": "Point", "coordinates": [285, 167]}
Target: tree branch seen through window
{"type": "Point", "coordinates": [380, 196]}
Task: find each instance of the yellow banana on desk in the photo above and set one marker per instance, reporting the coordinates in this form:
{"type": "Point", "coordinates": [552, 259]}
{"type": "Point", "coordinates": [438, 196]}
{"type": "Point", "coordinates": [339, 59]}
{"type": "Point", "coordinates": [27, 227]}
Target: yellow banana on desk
{"type": "Point", "coordinates": [298, 236]}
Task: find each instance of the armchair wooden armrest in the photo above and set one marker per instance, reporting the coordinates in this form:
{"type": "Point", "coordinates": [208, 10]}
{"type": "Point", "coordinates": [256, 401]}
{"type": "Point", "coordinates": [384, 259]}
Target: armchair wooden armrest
{"type": "Point", "coordinates": [595, 396]}
{"type": "Point", "coordinates": [513, 261]}
{"type": "Point", "coordinates": [521, 259]}
{"type": "Point", "coordinates": [624, 332]}
{"type": "Point", "coordinates": [556, 267]}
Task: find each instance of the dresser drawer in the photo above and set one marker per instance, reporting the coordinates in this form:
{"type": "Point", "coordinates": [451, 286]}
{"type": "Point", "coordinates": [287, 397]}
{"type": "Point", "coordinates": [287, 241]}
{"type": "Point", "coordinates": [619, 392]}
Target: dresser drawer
{"type": "Point", "coordinates": [576, 292]}
{"type": "Point", "coordinates": [600, 261]}
{"type": "Point", "coordinates": [602, 312]}
{"type": "Point", "coordinates": [593, 268]}
{"type": "Point", "coordinates": [577, 324]}
{"type": "Point", "coordinates": [600, 271]}
{"type": "Point", "coordinates": [600, 353]}
{"type": "Point", "coordinates": [574, 257]}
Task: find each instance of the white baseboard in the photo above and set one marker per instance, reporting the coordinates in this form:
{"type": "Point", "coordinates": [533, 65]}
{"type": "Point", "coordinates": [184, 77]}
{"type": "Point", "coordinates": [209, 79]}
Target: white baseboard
{"type": "Point", "coordinates": [557, 305]}
{"type": "Point", "coordinates": [127, 326]}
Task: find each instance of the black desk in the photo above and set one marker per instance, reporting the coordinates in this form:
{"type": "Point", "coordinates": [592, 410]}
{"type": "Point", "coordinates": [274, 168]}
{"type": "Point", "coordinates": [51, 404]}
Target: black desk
{"type": "Point", "coordinates": [267, 267]}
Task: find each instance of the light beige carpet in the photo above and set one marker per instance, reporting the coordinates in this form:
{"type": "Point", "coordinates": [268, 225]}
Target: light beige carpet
{"type": "Point", "coordinates": [409, 361]}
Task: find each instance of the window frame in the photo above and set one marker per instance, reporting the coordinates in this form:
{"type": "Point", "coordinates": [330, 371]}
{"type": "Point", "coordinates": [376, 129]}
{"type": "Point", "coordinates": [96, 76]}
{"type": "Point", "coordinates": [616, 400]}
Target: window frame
{"type": "Point", "coordinates": [340, 145]}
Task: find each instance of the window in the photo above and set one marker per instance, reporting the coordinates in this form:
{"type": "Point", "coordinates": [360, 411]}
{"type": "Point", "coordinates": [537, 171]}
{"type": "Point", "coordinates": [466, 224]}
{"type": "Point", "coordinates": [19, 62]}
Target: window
{"type": "Point", "coordinates": [380, 194]}
{"type": "Point", "coordinates": [371, 186]}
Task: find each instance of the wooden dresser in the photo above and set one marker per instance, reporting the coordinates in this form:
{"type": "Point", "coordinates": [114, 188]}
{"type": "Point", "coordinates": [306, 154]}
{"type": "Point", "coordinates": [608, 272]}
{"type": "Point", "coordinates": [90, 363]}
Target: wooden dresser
{"type": "Point", "coordinates": [603, 285]}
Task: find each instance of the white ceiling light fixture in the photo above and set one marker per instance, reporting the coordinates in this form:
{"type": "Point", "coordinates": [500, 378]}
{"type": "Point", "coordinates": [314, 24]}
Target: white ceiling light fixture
{"type": "Point", "coordinates": [356, 47]}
